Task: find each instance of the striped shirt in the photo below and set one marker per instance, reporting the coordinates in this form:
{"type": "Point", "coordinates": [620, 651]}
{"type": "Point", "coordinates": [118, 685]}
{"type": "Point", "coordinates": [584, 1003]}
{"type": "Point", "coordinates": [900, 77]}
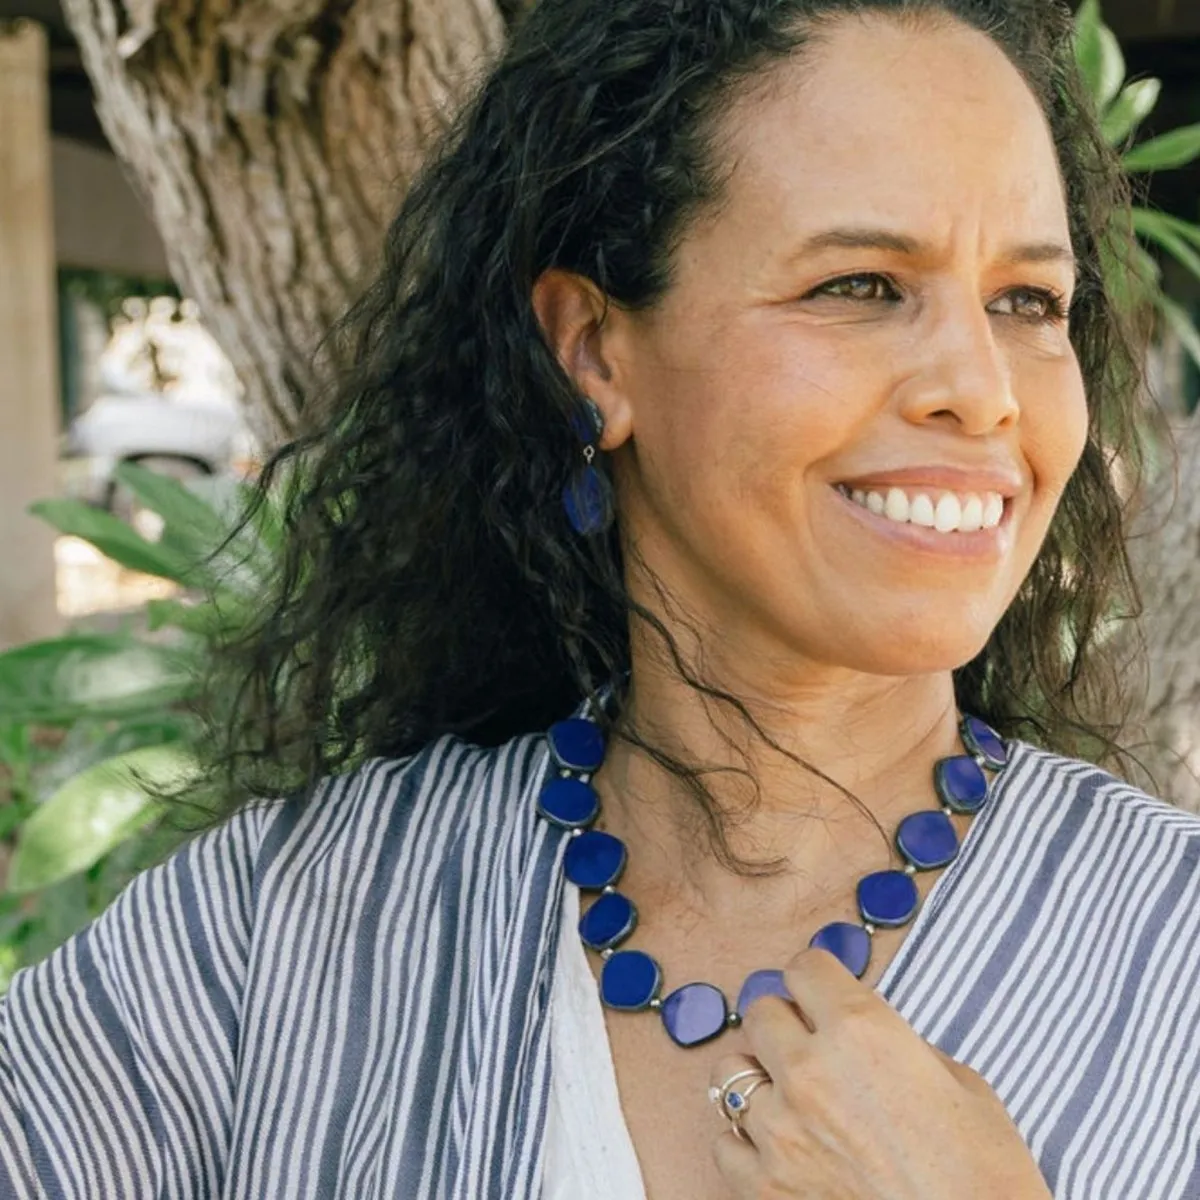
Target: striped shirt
{"type": "Point", "coordinates": [349, 999]}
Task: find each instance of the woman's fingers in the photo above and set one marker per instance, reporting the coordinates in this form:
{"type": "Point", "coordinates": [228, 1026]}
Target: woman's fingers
{"type": "Point", "coordinates": [747, 1088]}
{"type": "Point", "coordinates": [739, 1164]}
{"type": "Point", "coordinates": [823, 989]}
{"type": "Point", "coordinates": [736, 1155]}
{"type": "Point", "coordinates": [735, 1073]}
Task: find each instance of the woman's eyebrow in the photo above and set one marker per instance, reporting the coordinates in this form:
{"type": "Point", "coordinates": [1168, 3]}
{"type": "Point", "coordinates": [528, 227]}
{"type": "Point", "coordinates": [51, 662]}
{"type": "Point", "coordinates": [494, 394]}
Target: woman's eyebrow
{"type": "Point", "coordinates": [858, 237]}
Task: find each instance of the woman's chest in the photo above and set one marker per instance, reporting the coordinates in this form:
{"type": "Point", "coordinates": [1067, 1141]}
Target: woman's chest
{"type": "Point", "coordinates": [664, 1097]}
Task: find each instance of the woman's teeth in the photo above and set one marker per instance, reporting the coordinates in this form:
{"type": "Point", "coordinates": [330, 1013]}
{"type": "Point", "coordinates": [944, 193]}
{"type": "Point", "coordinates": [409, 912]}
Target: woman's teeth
{"type": "Point", "coordinates": [947, 512]}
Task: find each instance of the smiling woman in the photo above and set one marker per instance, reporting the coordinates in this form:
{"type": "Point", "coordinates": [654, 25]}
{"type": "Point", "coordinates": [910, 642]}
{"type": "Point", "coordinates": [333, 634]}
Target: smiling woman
{"type": "Point", "coordinates": [741, 402]}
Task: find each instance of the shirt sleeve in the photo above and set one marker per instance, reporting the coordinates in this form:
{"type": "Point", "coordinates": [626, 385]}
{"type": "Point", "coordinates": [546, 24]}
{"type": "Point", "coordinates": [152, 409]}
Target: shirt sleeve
{"type": "Point", "coordinates": [118, 1052]}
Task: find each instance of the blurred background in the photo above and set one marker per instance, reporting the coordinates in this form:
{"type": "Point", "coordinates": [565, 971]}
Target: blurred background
{"type": "Point", "coordinates": [189, 196]}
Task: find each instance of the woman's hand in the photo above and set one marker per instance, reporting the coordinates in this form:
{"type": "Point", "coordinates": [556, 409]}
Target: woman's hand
{"type": "Point", "coordinates": [861, 1108]}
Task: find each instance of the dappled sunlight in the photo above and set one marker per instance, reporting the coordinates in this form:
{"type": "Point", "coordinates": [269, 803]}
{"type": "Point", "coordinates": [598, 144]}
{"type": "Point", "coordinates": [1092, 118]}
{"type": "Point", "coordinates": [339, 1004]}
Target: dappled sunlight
{"type": "Point", "coordinates": [89, 583]}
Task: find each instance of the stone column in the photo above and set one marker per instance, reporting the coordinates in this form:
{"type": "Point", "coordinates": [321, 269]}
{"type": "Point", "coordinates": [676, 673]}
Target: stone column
{"type": "Point", "coordinates": [29, 422]}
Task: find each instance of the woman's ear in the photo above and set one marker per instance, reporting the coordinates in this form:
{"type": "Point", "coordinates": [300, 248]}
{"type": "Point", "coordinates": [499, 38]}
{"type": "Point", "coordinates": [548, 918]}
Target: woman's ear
{"type": "Point", "coordinates": [578, 326]}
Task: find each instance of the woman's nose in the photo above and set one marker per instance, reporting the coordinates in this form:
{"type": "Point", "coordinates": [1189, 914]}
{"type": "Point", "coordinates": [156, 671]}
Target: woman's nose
{"type": "Point", "coordinates": [961, 375]}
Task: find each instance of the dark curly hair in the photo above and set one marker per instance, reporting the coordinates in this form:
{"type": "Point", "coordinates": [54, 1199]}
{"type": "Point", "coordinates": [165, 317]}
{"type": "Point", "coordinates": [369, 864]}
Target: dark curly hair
{"type": "Point", "coordinates": [432, 584]}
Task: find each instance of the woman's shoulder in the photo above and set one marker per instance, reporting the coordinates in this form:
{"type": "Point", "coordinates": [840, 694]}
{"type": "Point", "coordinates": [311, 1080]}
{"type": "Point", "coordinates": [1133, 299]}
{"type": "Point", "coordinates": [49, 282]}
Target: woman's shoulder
{"type": "Point", "coordinates": [1084, 818]}
{"type": "Point", "coordinates": [446, 773]}
{"type": "Point", "coordinates": [449, 803]}
{"type": "Point", "coordinates": [1044, 775]}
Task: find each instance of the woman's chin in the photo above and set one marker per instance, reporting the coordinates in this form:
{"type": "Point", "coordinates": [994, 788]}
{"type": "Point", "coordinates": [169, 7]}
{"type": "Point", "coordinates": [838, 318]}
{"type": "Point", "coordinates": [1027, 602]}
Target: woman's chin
{"type": "Point", "coordinates": [911, 648]}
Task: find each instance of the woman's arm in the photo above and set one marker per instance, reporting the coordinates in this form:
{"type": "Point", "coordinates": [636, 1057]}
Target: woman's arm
{"type": "Point", "coordinates": [118, 1053]}
{"type": "Point", "coordinates": [17, 1179]}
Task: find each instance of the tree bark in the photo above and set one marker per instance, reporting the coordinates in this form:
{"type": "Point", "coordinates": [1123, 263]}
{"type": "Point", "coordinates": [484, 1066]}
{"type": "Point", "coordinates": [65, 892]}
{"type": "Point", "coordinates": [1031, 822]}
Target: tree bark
{"type": "Point", "coordinates": [271, 141]}
{"type": "Point", "coordinates": [1167, 556]}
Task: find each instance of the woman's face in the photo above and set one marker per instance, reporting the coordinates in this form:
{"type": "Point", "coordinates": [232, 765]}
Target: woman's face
{"type": "Point", "coordinates": [871, 310]}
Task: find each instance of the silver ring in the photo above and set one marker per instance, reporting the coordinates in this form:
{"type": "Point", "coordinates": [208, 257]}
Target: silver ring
{"type": "Point", "coordinates": [736, 1104]}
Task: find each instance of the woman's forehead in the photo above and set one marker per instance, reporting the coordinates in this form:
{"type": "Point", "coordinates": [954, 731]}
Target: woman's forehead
{"type": "Point", "coordinates": [900, 125]}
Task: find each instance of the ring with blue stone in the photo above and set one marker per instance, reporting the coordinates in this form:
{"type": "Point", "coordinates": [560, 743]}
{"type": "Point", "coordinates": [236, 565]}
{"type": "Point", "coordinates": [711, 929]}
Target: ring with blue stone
{"type": "Point", "coordinates": [717, 1093]}
{"type": "Point", "coordinates": [735, 1102]}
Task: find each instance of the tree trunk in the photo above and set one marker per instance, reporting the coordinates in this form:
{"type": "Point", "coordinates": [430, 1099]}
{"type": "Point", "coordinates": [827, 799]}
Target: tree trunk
{"type": "Point", "coordinates": [271, 140]}
{"type": "Point", "coordinates": [1167, 556]}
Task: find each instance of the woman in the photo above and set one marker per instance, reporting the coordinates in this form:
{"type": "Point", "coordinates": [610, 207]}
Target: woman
{"type": "Point", "coordinates": [741, 389]}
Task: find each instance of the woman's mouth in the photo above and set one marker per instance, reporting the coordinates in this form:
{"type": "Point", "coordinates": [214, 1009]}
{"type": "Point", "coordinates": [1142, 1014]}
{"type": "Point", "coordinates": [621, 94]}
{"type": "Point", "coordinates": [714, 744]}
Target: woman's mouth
{"type": "Point", "coordinates": [971, 525]}
{"type": "Point", "coordinates": [943, 511]}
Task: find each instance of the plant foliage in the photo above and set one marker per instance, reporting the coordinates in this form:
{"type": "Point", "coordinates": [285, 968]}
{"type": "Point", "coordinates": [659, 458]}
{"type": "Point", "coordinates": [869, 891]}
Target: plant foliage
{"type": "Point", "coordinates": [93, 727]}
{"type": "Point", "coordinates": [1122, 107]}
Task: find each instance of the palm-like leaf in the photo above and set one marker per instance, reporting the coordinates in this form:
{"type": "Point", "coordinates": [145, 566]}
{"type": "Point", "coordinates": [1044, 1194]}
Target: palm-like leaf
{"type": "Point", "coordinates": [1122, 108]}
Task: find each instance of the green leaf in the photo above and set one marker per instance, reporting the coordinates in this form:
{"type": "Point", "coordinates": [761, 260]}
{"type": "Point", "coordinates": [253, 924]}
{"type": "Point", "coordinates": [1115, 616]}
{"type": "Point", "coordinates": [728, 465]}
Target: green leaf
{"type": "Point", "coordinates": [207, 620]}
{"type": "Point", "coordinates": [1175, 149]}
{"type": "Point", "coordinates": [1098, 54]}
{"type": "Point", "coordinates": [16, 753]}
{"type": "Point", "coordinates": [62, 911]}
{"type": "Point", "coordinates": [9, 964]}
{"type": "Point", "coordinates": [117, 869]}
{"type": "Point", "coordinates": [1131, 274]}
{"type": "Point", "coordinates": [269, 517]}
{"type": "Point", "coordinates": [193, 521]}
{"type": "Point", "coordinates": [11, 816]}
{"type": "Point", "coordinates": [1184, 229]}
{"type": "Point", "coordinates": [116, 540]}
{"type": "Point", "coordinates": [88, 743]}
{"type": "Point", "coordinates": [1180, 321]}
{"type": "Point", "coordinates": [198, 519]}
{"type": "Point", "coordinates": [1130, 109]}
{"type": "Point", "coordinates": [1165, 231]}
{"type": "Point", "coordinates": [72, 678]}
{"type": "Point", "coordinates": [94, 812]}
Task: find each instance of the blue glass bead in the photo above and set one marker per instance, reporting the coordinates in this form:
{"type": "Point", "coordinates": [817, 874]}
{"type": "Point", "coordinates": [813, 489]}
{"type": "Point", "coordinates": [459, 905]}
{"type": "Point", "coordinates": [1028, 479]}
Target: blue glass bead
{"type": "Point", "coordinates": [980, 738]}
{"type": "Point", "coordinates": [569, 803]}
{"type": "Point", "coordinates": [694, 1014]}
{"type": "Point", "coordinates": [588, 501]}
{"type": "Point", "coordinates": [927, 840]}
{"type": "Point", "coordinates": [851, 944]}
{"type": "Point", "coordinates": [759, 984]}
{"type": "Point", "coordinates": [961, 784]}
{"type": "Point", "coordinates": [608, 922]}
{"type": "Point", "coordinates": [629, 980]}
{"type": "Point", "coordinates": [577, 745]}
{"type": "Point", "coordinates": [888, 898]}
{"type": "Point", "coordinates": [594, 860]}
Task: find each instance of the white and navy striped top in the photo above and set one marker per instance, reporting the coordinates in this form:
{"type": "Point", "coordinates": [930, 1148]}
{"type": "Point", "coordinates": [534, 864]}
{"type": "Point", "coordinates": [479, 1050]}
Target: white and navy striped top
{"type": "Point", "coordinates": [350, 1000]}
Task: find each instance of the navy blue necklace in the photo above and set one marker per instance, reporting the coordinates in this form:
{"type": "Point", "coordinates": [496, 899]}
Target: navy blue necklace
{"type": "Point", "coordinates": [695, 1013]}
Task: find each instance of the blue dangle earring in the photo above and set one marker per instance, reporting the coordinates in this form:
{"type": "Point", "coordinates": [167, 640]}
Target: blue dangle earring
{"type": "Point", "coordinates": [588, 497]}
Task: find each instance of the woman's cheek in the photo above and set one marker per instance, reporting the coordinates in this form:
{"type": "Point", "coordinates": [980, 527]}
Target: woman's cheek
{"type": "Point", "coordinates": [1055, 423]}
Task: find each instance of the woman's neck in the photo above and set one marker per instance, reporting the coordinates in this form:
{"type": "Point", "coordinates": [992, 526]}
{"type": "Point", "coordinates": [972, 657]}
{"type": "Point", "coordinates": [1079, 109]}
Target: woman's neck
{"type": "Point", "coordinates": [877, 738]}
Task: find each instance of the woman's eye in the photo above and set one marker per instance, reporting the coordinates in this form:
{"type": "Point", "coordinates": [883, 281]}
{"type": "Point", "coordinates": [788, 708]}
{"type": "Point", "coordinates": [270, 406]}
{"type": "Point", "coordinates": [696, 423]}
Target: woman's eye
{"type": "Point", "coordinates": [857, 287]}
{"type": "Point", "coordinates": [1035, 304]}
